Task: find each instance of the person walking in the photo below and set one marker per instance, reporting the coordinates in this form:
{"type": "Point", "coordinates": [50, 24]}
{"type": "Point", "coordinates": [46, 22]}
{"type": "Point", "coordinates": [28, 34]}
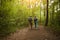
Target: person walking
{"type": "Point", "coordinates": [30, 21]}
{"type": "Point", "coordinates": [35, 21]}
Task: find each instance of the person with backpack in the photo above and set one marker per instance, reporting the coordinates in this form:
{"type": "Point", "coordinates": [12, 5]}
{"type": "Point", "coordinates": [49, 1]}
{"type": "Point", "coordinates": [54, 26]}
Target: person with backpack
{"type": "Point", "coordinates": [35, 22]}
{"type": "Point", "coordinates": [30, 21]}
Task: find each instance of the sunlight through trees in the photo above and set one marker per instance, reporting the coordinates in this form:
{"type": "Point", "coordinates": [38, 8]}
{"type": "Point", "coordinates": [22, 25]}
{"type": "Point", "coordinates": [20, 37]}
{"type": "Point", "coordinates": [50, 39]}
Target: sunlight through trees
{"type": "Point", "coordinates": [14, 14]}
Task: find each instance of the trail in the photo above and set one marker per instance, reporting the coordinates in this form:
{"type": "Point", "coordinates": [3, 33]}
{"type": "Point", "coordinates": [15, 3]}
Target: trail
{"type": "Point", "coordinates": [35, 34]}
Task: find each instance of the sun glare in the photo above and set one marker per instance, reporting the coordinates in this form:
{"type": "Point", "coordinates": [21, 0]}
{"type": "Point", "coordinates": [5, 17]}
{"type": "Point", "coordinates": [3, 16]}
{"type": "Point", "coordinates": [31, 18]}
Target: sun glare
{"type": "Point", "coordinates": [28, 3]}
{"type": "Point", "coordinates": [30, 0]}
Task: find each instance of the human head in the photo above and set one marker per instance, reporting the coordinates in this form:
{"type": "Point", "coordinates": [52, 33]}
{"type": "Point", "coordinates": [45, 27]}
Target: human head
{"type": "Point", "coordinates": [35, 16]}
{"type": "Point", "coordinates": [30, 16]}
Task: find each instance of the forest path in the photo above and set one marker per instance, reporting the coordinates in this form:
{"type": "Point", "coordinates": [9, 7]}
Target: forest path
{"type": "Point", "coordinates": [34, 34]}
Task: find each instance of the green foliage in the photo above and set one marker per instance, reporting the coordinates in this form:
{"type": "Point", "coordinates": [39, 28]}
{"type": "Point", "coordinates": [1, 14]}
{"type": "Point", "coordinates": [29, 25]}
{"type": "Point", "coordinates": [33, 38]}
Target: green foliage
{"type": "Point", "coordinates": [14, 14]}
{"type": "Point", "coordinates": [11, 17]}
{"type": "Point", "coordinates": [54, 20]}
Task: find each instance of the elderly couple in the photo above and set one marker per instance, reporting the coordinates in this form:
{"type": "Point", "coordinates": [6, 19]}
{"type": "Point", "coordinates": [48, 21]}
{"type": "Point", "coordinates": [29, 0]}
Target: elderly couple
{"type": "Point", "coordinates": [35, 21]}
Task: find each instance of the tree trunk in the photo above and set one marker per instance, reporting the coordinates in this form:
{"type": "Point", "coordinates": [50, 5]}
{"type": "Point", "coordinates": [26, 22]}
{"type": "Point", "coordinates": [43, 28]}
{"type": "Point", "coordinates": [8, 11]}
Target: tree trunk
{"type": "Point", "coordinates": [46, 23]}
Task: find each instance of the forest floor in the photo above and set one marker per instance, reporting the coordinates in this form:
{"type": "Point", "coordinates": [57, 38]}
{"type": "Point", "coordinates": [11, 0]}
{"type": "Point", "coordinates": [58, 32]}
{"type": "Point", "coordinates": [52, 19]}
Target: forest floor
{"type": "Point", "coordinates": [35, 34]}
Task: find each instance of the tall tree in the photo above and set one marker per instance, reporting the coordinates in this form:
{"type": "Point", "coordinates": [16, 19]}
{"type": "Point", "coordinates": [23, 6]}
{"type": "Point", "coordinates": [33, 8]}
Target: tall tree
{"type": "Point", "coordinates": [46, 23]}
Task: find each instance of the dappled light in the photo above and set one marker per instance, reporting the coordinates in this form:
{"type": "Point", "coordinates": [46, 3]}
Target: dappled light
{"type": "Point", "coordinates": [30, 16]}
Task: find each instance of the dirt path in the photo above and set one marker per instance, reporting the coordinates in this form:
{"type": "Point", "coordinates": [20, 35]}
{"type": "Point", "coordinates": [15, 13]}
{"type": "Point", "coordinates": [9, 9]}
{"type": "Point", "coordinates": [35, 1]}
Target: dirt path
{"type": "Point", "coordinates": [34, 34]}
